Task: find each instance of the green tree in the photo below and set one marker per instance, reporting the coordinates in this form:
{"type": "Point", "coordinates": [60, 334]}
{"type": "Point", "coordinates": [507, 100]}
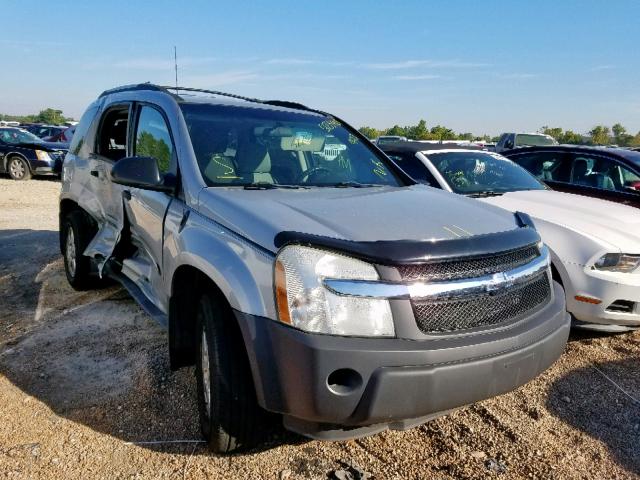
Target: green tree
{"type": "Point", "coordinates": [620, 135]}
{"type": "Point", "coordinates": [419, 131]}
{"type": "Point", "coordinates": [396, 130]}
{"type": "Point", "coordinates": [370, 132]}
{"type": "Point", "coordinates": [442, 133]}
{"type": "Point", "coordinates": [555, 132]}
{"type": "Point", "coordinates": [600, 135]}
{"type": "Point", "coordinates": [570, 137]}
{"type": "Point", "coordinates": [51, 116]}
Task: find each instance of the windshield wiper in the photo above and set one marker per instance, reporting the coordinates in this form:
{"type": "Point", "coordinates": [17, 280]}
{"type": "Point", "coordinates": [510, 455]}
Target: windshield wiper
{"type": "Point", "coordinates": [352, 185]}
{"type": "Point", "coordinates": [486, 193]}
{"type": "Point", "coordinates": [267, 186]}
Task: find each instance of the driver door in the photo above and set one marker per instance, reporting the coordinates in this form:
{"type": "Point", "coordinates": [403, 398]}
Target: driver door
{"type": "Point", "coordinates": [145, 210]}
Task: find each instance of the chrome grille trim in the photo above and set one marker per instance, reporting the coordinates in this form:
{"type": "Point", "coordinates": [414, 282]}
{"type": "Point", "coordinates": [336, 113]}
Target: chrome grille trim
{"type": "Point", "coordinates": [441, 290]}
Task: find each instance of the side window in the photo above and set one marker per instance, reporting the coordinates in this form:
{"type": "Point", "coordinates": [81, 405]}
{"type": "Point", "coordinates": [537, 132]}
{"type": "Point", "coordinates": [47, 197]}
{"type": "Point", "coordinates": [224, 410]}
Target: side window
{"type": "Point", "coordinates": [80, 131]}
{"type": "Point", "coordinates": [112, 137]}
{"type": "Point", "coordinates": [153, 138]}
{"type": "Point", "coordinates": [546, 166]}
{"type": "Point", "coordinates": [414, 167]}
{"type": "Point", "coordinates": [602, 173]}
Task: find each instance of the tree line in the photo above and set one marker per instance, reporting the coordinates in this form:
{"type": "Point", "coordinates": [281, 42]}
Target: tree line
{"type": "Point", "coordinates": [598, 135]}
{"type": "Point", "coordinates": [50, 116]}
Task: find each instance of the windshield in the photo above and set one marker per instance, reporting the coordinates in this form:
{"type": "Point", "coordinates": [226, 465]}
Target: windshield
{"type": "Point", "coordinates": [238, 146]}
{"type": "Point", "coordinates": [481, 172]}
{"type": "Point", "coordinates": [534, 140]}
{"type": "Point", "coordinates": [16, 135]}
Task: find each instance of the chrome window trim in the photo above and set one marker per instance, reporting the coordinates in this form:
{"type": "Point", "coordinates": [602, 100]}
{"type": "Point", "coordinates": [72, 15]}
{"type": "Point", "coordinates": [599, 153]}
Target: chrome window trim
{"type": "Point", "coordinates": [439, 290]}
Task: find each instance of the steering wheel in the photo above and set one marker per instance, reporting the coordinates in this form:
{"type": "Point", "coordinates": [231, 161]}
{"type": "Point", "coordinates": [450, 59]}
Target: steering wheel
{"type": "Point", "coordinates": [304, 177]}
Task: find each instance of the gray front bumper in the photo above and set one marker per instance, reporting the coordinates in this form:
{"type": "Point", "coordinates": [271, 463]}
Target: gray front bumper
{"type": "Point", "coordinates": [402, 382]}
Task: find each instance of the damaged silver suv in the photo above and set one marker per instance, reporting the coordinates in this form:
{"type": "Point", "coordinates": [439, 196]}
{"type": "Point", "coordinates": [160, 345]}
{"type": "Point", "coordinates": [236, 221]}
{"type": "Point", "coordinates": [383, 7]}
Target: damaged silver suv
{"type": "Point", "coordinates": [301, 271]}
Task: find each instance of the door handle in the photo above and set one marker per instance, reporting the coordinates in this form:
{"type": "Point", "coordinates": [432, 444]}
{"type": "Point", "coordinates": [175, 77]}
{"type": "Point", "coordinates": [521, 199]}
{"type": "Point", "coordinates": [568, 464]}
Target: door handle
{"type": "Point", "coordinates": [95, 173]}
{"type": "Point", "coordinates": [126, 194]}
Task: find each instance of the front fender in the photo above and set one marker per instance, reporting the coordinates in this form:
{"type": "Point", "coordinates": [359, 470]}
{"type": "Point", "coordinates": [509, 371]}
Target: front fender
{"type": "Point", "coordinates": [243, 272]}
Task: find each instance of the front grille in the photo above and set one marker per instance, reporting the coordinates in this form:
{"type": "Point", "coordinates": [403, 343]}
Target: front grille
{"type": "Point", "coordinates": [484, 310]}
{"type": "Point", "coordinates": [475, 267]}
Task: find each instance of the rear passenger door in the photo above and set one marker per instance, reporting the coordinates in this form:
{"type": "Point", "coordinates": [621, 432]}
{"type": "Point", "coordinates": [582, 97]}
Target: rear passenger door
{"type": "Point", "coordinates": [146, 209]}
{"type": "Point", "coordinates": [104, 198]}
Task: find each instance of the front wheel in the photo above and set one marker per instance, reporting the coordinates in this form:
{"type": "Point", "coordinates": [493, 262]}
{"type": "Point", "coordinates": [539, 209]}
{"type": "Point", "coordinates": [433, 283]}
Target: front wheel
{"type": "Point", "coordinates": [18, 168]}
{"type": "Point", "coordinates": [230, 417]}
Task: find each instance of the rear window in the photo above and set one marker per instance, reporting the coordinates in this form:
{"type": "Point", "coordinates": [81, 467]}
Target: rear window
{"type": "Point", "coordinates": [238, 146]}
{"type": "Point", "coordinates": [534, 140]}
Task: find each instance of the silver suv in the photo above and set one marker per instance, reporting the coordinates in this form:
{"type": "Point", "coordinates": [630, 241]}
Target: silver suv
{"type": "Point", "coordinates": [326, 288]}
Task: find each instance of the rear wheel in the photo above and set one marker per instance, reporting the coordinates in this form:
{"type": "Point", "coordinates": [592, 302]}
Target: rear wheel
{"type": "Point", "coordinates": [76, 265]}
{"type": "Point", "coordinates": [18, 168]}
{"type": "Point", "coordinates": [230, 417]}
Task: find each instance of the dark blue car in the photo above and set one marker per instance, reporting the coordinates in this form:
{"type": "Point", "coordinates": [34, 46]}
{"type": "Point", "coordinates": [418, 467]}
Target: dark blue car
{"type": "Point", "coordinates": [22, 154]}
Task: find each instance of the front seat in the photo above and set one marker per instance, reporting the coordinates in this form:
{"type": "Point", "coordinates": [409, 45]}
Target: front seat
{"type": "Point", "coordinates": [600, 178]}
{"type": "Point", "coordinates": [253, 160]}
{"type": "Point", "coordinates": [209, 146]}
{"type": "Point", "coordinates": [580, 172]}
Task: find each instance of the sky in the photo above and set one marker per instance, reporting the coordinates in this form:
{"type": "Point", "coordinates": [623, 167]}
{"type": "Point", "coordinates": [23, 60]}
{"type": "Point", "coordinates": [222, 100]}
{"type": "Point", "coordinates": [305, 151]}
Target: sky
{"type": "Point", "coordinates": [481, 67]}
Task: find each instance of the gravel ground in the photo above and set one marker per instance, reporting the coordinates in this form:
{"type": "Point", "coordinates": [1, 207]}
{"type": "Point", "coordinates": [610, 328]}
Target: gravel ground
{"type": "Point", "coordinates": [86, 392]}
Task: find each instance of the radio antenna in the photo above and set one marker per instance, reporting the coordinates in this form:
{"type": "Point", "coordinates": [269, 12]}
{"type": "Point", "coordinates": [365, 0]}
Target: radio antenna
{"type": "Point", "coordinates": [175, 64]}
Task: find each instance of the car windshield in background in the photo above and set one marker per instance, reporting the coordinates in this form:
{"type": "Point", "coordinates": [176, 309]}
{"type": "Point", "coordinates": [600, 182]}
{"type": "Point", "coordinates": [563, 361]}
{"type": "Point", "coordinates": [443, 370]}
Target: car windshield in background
{"type": "Point", "coordinates": [482, 173]}
{"type": "Point", "coordinates": [16, 136]}
{"type": "Point", "coordinates": [265, 147]}
{"type": "Point", "coordinates": [534, 140]}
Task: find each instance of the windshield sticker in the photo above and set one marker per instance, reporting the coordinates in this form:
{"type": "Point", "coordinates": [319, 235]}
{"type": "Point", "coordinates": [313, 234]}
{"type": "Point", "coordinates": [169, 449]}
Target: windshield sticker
{"type": "Point", "coordinates": [329, 125]}
{"type": "Point", "coordinates": [353, 139]}
{"type": "Point", "coordinates": [302, 139]}
{"type": "Point", "coordinates": [379, 168]}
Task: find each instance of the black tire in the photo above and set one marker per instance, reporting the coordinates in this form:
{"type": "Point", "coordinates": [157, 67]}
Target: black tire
{"type": "Point", "coordinates": [79, 270]}
{"type": "Point", "coordinates": [233, 420]}
{"type": "Point", "coordinates": [18, 168]}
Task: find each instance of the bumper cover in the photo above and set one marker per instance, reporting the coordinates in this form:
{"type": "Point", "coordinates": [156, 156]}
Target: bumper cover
{"type": "Point", "coordinates": [393, 383]}
{"type": "Point", "coordinates": [608, 287]}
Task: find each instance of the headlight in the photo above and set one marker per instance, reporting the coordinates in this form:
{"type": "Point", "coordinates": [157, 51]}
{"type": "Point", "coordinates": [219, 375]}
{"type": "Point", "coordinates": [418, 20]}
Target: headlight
{"type": "Point", "coordinates": [42, 155]}
{"type": "Point", "coordinates": [618, 262]}
{"type": "Point", "coordinates": [305, 303]}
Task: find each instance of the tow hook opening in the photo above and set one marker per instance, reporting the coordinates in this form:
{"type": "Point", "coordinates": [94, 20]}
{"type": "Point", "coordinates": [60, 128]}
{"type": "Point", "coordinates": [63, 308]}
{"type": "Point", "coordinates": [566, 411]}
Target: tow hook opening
{"type": "Point", "coordinates": [344, 381]}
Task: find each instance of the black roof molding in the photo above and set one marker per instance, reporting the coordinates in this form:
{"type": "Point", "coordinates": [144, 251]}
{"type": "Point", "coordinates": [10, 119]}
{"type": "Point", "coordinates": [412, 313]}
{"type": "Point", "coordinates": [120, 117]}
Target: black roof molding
{"type": "Point", "coordinates": [403, 252]}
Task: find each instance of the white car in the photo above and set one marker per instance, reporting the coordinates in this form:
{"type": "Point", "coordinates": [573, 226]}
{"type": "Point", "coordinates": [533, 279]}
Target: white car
{"type": "Point", "coordinates": [594, 244]}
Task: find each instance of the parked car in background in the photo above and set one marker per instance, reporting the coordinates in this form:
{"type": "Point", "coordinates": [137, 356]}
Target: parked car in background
{"type": "Point", "coordinates": [22, 154]}
{"type": "Point", "coordinates": [594, 244]}
{"type": "Point", "coordinates": [65, 136]}
{"type": "Point", "coordinates": [608, 173]}
{"type": "Point", "coordinates": [382, 139]}
{"type": "Point", "coordinates": [45, 131]}
{"type": "Point", "coordinates": [509, 141]}
{"type": "Point", "coordinates": [9, 123]}
{"type": "Point", "coordinates": [287, 276]}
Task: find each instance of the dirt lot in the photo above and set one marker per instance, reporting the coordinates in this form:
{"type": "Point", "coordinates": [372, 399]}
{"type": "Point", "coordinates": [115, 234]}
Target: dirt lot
{"type": "Point", "coordinates": [86, 392]}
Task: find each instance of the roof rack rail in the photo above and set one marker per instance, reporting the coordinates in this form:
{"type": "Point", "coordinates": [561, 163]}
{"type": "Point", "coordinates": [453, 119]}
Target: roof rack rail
{"type": "Point", "coordinates": [133, 87]}
{"type": "Point", "coordinates": [169, 89]}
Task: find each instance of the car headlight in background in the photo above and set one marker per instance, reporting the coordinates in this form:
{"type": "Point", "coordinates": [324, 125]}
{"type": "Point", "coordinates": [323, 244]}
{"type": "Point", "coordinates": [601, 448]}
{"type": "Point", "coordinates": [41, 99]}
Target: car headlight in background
{"type": "Point", "coordinates": [305, 303]}
{"type": "Point", "coordinates": [42, 155]}
{"type": "Point", "coordinates": [618, 262]}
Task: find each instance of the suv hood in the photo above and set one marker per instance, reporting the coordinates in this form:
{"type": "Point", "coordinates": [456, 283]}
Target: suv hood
{"type": "Point", "coordinates": [46, 146]}
{"type": "Point", "coordinates": [612, 224]}
{"type": "Point", "coordinates": [360, 214]}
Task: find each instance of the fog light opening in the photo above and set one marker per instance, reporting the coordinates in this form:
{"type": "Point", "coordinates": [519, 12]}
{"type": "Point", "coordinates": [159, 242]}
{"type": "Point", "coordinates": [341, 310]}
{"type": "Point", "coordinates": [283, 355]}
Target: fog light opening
{"type": "Point", "coordinates": [344, 381]}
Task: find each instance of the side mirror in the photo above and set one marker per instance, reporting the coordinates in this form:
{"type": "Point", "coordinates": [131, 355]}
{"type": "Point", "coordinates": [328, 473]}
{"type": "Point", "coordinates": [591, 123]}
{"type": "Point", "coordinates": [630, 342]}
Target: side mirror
{"type": "Point", "coordinates": [139, 172]}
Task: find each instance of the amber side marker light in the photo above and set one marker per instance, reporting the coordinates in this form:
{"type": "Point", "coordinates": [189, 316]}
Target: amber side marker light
{"type": "Point", "coordinates": [281, 294]}
{"type": "Point", "coordinates": [591, 300]}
